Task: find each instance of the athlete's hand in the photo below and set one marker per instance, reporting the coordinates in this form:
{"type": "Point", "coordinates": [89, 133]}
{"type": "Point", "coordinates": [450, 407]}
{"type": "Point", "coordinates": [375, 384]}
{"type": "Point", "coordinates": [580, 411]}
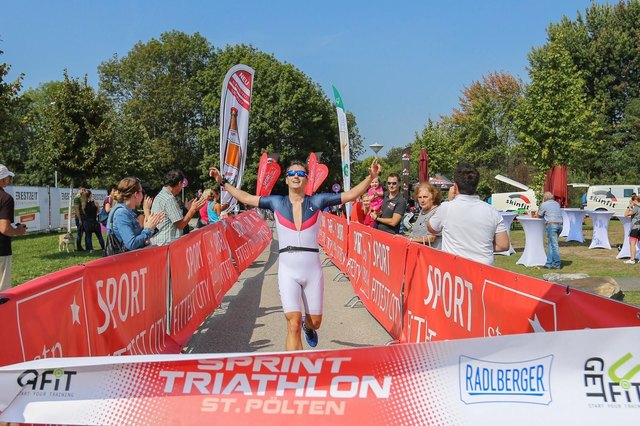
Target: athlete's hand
{"type": "Point", "coordinates": [215, 174]}
{"type": "Point", "coordinates": [374, 169]}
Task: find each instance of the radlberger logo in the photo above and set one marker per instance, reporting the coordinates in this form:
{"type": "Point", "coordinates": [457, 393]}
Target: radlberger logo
{"type": "Point", "coordinates": [483, 381]}
{"type": "Point", "coordinates": [619, 383]}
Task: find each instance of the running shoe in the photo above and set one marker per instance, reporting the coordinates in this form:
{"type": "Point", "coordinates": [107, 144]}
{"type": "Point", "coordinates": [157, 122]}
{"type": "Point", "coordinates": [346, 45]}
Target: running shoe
{"type": "Point", "coordinates": [311, 335]}
{"type": "Point", "coordinates": [630, 262]}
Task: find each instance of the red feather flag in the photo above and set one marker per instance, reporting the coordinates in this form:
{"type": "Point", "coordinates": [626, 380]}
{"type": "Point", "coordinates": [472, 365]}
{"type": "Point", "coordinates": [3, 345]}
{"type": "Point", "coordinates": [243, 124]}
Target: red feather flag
{"type": "Point", "coordinates": [311, 173]}
{"type": "Point", "coordinates": [268, 173]}
{"type": "Point", "coordinates": [321, 173]}
{"type": "Point", "coordinates": [317, 173]}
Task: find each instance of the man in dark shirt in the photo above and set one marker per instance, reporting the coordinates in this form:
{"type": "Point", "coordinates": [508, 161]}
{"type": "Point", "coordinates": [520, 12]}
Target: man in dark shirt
{"type": "Point", "coordinates": [6, 229]}
{"type": "Point", "coordinates": [393, 207]}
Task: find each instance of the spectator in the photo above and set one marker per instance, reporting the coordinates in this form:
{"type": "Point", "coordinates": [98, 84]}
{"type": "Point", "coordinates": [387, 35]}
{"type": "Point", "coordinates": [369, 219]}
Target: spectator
{"type": "Point", "coordinates": [376, 195]}
{"type": "Point", "coordinates": [429, 199]}
{"type": "Point", "coordinates": [584, 199]}
{"type": "Point", "coordinates": [79, 226]}
{"type": "Point", "coordinates": [204, 215]}
{"type": "Point", "coordinates": [7, 230]}
{"type": "Point", "coordinates": [393, 207]}
{"type": "Point", "coordinates": [123, 220]}
{"type": "Point", "coordinates": [366, 208]}
{"type": "Point", "coordinates": [633, 211]}
{"type": "Point", "coordinates": [550, 211]}
{"type": "Point", "coordinates": [108, 202]}
{"type": "Point", "coordinates": [470, 227]}
{"type": "Point", "coordinates": [174, 222]}
{"type": "Point", "coordinates": [89, 219]}
{"type": "Point", "coordinates": [214, 208]}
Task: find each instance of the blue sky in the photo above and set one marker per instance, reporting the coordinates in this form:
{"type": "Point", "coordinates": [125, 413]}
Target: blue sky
{"type": "Point", "coordinates": [395, 63]}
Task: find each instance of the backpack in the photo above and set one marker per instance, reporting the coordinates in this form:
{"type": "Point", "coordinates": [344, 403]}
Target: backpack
{"type": "Point", "coordinates": [102, 217]}
{"type": "Point", "coordinates": [113, 244]}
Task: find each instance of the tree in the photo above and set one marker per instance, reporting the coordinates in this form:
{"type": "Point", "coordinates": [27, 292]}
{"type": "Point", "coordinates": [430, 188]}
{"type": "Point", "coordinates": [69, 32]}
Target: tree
{"type": "Point", "coordinates": [438, 143]}
{"type": "Point", "coordinates": [71, 134]}
{"type": "Point", "coordinates": [555, 119]}
{"type": "Point", "coordinates": [289, 114]}
{"type": "Point", "coordinates": [11, 152]}
{"type": "Point", "coordinates": [604, 46]}
{"type": "Point", "coordinates": [159, 101]}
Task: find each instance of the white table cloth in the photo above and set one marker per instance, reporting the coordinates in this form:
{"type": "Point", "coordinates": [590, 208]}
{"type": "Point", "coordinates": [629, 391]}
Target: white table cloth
{"type": "Point", "coordinates": [600, 220]}
{"type": "Point", "coordinates": [625, 251]}
{"type": "Point", "coordinates": [565, 224]}
{"type": "Point", "coordinates": [534, 254]}
{"type": "Point", "coordinates": [507, 219]}
{"type": "Point", "coordinates": [575, 218]}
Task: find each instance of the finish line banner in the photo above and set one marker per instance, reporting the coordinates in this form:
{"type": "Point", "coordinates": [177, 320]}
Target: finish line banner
{"type": "Point", "coordinates": [559, 377]}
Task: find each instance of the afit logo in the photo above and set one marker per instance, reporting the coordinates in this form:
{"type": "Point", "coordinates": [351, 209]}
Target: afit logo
{"type": "Point", "coordinates": [484, 381]}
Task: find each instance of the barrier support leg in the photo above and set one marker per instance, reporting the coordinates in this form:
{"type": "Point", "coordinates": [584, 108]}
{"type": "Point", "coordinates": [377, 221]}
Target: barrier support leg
{"type": "Point", "coordinates": [326, 262]}
{"type": "Point", "coordinates": [339, 276]}
{"type": "Point", "coordinates": [353, 302]}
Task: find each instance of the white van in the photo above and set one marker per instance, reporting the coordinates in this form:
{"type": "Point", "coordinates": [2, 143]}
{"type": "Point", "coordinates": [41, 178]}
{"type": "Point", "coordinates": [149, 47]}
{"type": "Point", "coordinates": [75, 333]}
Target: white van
{"type": "Point", "coordinates": [613, 198]}
{"type": "Point", "coordinates": [523, 202]}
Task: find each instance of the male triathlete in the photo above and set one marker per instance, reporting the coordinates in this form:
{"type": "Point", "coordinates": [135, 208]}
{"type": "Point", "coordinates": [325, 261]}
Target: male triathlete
{"type": "Point", "coordinates": [299, 272]}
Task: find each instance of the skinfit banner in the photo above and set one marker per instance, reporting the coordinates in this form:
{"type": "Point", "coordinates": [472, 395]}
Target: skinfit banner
{"type": "Point", "coordinates": [557, 378]}
{"type": "Point", "coordinates": [235, 104]}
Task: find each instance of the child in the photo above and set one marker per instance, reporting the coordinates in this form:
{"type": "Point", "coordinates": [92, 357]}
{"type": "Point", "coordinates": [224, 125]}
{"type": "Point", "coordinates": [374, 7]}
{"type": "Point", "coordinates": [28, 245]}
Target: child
{"type": "Point", "coordinates": [375, 194]}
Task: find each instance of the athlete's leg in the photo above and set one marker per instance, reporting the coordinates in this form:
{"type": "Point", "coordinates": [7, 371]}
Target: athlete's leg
{"type": "Point", "coordinates": [313, 321]}
{"type": "Point", "coordinates": [294, 328]}
{"type": "Point", "coordinates": [313, 292]}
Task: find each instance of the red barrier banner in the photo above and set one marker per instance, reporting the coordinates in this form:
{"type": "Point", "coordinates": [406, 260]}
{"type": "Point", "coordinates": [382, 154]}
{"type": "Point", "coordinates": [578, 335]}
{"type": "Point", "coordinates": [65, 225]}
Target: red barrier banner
{"type": "Point", "coordinates": [217, 254]}
{"type": "Point", "coordinates": [570, 377]}
{"type": "Point", "coordinates": [193, 296]}
{"type": "Point", "coordinates": [336, 239]}
{"type": "Point", "coordinates": [448, 297]}
{"type": "Point", "coordinates": [360, 259]}
{"type": "Point", "coordinates": [45, 318]}
{"type": "Point", "coordinates": [248, 235]}
{"type": "Point", "coordinates": [387, 257]}
{"type": "Point", "coordinates": [322, 231]}
{"type": "Point", "coordinates": [126, 303]}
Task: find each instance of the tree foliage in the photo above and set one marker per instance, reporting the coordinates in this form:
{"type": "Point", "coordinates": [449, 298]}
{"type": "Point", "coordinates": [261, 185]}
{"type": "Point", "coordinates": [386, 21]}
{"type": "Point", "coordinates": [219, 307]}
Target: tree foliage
{"type": "Point", "coordinates": [159, 104]}
{"type": "Point", "coordinates": [11, 153]}
{"type": "Point", "coordinates": [71, 133]}
{"type": "Point", "coordinates": [290, 115]}
{"type": "Point", "coordinates": [555, 118]}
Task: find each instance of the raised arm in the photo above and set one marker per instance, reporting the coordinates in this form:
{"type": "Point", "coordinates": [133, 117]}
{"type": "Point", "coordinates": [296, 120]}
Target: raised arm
{"type": "Point", "coordinates": [359, 189]}
{"type": "Point", "coordinates": [238, 194]}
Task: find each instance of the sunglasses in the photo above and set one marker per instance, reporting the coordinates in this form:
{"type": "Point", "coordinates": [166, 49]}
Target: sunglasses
{"type": "Point", "coordinates": [392, 183]}
{"type": "Point", "coordinates": [299, 173]}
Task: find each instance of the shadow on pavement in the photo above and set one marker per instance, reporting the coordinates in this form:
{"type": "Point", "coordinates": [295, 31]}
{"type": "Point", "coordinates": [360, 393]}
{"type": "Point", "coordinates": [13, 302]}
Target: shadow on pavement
{"type": "Point", "coordinates": [230, 327]}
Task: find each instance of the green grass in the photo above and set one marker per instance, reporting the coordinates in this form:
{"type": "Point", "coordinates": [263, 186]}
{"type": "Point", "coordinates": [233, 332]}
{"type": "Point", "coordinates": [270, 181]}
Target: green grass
{"type": "Point", "coordinates": [36, 255]}
{"type": "Point", "coordinates": [578, 258]}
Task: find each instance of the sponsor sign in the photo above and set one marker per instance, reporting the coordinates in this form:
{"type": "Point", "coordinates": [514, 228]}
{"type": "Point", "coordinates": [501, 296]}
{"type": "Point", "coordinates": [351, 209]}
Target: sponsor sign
{"type": "Point", "coordinates": [31, 206]}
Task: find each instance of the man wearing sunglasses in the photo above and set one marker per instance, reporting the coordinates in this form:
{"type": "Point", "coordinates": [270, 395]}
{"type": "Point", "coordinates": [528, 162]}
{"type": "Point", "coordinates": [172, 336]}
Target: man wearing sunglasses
{"type": "Point", "coordinates": [300, 277]}
{"type": "Point", "coordinates": [393, 207]}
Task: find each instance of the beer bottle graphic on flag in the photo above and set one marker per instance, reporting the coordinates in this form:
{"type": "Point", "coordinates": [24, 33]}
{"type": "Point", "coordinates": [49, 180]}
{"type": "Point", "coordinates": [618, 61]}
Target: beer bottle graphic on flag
{"type": "Point", "coordinates": [233, 154]}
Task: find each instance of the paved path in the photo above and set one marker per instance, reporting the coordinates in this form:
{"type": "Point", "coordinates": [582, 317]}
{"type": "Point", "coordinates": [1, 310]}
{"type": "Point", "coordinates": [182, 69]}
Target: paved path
{"type": "Point", "coordinates": [250, 318]}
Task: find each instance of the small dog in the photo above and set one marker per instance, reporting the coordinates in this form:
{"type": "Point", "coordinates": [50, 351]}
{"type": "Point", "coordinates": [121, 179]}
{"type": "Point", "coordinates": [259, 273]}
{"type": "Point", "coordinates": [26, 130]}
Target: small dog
{"type": "Point", "coordinates": [65, 242]}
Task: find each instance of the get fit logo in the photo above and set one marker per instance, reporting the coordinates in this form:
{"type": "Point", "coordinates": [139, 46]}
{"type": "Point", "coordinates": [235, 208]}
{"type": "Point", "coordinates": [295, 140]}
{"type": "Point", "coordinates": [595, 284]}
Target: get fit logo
{"type": "Point", "coordinates": [615, 383]}
{"type": "Point", "coordinates": [483, 381]}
